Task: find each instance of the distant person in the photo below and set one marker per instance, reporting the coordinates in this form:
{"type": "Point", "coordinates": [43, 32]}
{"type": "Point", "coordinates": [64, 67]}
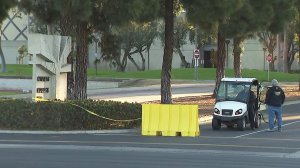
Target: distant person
{"type": "Point", "coordinates": [274, 99]}
{"type": "Point", "coordinates": [248, 98]}
{"type": "Point", "coordinates": [243, 94]}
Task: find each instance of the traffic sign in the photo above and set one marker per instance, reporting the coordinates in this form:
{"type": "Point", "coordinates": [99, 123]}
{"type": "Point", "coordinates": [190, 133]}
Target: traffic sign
{"type": "Point", "coordinates": [269, 58]}
{"type": "Point", "coordinates": [196, 54]}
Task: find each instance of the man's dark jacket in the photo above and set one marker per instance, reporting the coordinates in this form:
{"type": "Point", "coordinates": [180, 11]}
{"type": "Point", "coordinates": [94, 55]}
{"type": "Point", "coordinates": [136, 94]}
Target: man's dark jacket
{"type": "Point", "coordinates": [275, 96]}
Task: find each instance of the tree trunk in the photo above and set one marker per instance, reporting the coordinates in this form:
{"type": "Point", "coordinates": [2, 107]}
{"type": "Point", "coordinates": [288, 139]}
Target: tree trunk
{"type": "Point", "coordinates": [121, 65]}
{"type": "Point", "coordinates": [66, 26]}
{"type": "Point", "coordinates": [148, 56]}
{"type": "Point", "coordinates": [272, 63]}
{"type": "Point", "coordinates": [299, 84]}
{"type": "Point", "coordinates": [81, 61]}
{"type": "Point", "coordinates": [279, 53]}
{"type": "Point", "coordinates": [134, 63]}
{"type": "Point", "coordinates": [270, 41]}
{"type": "Point", "coordinates": [67, 30]}
{"type": "Point", "coordinates": [220, 69]}
{"type": "Point", "coordinates": [299, 52]}
{"type": "Point", "coordinates": [166, 95]}
{"type": "Point", "coordinates": [50, 29]}
{"type": "Point", "coordinates": [237, 51]}
{"type": "Point", "coordinates": [143, 61]}
{"type": "Point", "coordinates": [291, 55]}
{"type": "Point", "coordinates": [184, 63]}
{"type": "Point", "coordinates": [3, 68]}
{"type": "Point", "coordinates": [198, 38]}
{"type": "Point", "coordinates": [285, 51]}
{"type": "Point", "coordinates": [129, 55]}
{"type": "Point", "coordinates": [71, 75]}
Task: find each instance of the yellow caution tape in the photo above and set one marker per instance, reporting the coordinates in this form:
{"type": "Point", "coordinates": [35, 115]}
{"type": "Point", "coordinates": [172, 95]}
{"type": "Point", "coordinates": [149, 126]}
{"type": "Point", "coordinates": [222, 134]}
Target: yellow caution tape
{"type": "Point", "coordinates": [103, 116]}
{"type": "Point", "coordinates": [40, 99]}
{"type": "Point", "coordinates": [90, 112]}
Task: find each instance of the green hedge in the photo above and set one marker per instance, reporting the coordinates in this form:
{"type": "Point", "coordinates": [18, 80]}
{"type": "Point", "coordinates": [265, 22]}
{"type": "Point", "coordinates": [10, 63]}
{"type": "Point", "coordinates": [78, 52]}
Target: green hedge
{"type": "Point", "coordinates": [21, 114]}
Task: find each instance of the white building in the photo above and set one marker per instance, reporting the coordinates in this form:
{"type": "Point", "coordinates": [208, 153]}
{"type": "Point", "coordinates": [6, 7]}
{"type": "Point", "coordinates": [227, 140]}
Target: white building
{"type": "Point", "coordinates": [13, 35]}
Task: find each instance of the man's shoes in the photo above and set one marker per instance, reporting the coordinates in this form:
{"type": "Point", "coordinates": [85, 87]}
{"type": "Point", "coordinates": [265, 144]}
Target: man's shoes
{"type": "Point", "coordinates": [279, 129]}
{"type": "Point", "coordinates": [271, 130]}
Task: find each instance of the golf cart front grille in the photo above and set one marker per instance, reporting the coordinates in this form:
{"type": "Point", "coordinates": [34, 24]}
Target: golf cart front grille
{"type": "Point", "coordinates": [227, 112]}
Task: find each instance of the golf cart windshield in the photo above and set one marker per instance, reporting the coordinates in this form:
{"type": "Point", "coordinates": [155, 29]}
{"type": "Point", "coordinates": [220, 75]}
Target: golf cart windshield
{"type": "Point", "coordinates": [233, 91]}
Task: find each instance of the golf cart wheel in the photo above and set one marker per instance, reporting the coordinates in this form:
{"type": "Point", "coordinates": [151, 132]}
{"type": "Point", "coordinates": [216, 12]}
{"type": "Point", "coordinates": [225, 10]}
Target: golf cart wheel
{"type": "Point", "coordinates": [241, 124]}
{"type": "Point", "coordinates": [257, 120]}
{"type": "Point", "coordinates": [216, 124]}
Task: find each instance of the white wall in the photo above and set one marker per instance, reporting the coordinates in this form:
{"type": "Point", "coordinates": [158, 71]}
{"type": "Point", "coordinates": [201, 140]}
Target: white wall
{"type": "Point", "coordinates": [253, 57]}
{"type": "Point", "coordinates": [156, 57]}
{"type": "Point", "coordinates": [14, 35]}
{"type": "Point", "coordinates": [10, 51]}
{"type": "Point", "coordinates": [12, 31]}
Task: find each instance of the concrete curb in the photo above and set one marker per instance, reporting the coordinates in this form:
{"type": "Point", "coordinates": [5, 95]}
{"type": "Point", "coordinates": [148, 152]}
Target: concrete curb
{"type": "Point", "coordinates": [119, 131]}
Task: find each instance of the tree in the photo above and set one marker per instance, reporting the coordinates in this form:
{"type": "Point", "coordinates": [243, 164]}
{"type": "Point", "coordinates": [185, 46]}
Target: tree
{"type": "Point", "coordinates": [211, 16]}
{"type": "Point", "coordinates": [166, 95]}
{"type": "Point", "coordinates": [297, 4]}
{"type": "Point", "coordinates": [269, 41]}
{"type": "Point", "coordinates": [252, 17]}
{"type": "Point", "coordinates": [88, 16]}
{"type": "Point", "coordinates": [67, 27]}
{"type": "Point", "coordinates": [43, 10]}
{"type": "Point", "coordinates": [132, 38]}
{"type": "Point", "coordinates": [284, 13]}
{"type": "Point", "coordinates": [200, 37]}
{"type": "Point", "coordinates": [50, 12]}
{"type": "Point", "coordinates": [111, 50]}
{"type": "Point", "coordinates": [181, 30]}
{"type": "Point", "coordinates": [293, 35]}
{"type": "Point", "coordinates": [23, 52]}
{"type": "Point", "coordinates": [277, 32]}
{"type": "Point", "coordinates": [292, 47]}
{"type": "Point", "coordinates": [5, 6]}
{"type": "Point", "coordinates": [106, 21]}
{"type": "Point", "coordinates": [102, 17]}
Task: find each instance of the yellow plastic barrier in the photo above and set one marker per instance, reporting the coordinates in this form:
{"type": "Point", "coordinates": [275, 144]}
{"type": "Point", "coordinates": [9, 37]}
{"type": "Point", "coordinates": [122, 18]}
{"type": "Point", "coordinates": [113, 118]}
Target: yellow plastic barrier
{"type": "Point", "coordinates": [170, 120]}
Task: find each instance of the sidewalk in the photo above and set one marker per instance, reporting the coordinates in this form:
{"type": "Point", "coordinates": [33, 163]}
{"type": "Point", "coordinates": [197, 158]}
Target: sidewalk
{"type": "Point", "coordinates": [96, 87]}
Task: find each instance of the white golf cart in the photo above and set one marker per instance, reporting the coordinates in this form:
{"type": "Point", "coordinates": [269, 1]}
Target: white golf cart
{"type": "Point", "coordinates": [235, 99]}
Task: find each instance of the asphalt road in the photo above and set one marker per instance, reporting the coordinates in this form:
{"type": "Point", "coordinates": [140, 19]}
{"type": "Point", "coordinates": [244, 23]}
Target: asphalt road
{"type": "Point", "coordinates": [149, 93]}
{"type": "Point", "coordinates": [140, 94]}
{"type": "Point", "coordinates": [226, 148]}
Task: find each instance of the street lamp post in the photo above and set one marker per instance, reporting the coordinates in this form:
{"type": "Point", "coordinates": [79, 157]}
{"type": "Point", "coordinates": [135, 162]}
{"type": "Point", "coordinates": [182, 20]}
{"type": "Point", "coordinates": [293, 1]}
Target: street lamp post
{"type": "Point", "coordinates": [265, 49]}
{"type": "Point", "coordinates": [227, 42]}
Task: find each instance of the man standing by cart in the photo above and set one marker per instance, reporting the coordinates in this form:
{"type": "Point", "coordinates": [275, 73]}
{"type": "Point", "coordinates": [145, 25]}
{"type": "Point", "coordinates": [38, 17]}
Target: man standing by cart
{"type": "Point", "coordinates": [274, 99]}
{"type": "Point", "coordinates": [248, 95]}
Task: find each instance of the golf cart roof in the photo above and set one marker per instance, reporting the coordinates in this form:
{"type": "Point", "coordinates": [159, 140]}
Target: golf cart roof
{"type": "Point", "coordinates": [239, 79]}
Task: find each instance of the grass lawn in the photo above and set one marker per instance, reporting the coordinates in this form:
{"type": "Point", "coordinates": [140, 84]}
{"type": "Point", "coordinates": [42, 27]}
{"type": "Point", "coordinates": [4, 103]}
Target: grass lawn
{"type": "Point", "coordinates": [186, 73]}
{"type": "Point", "coordinates": [204, 74]}
{"type": "Point", "coordinates": [17, 70]}
{"type": "Point", "coordinates": [3, 93]}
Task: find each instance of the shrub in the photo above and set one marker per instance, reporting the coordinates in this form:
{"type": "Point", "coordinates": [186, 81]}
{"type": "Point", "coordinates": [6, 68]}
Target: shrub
{"type": "Point", "coordinates": [68, 115]}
